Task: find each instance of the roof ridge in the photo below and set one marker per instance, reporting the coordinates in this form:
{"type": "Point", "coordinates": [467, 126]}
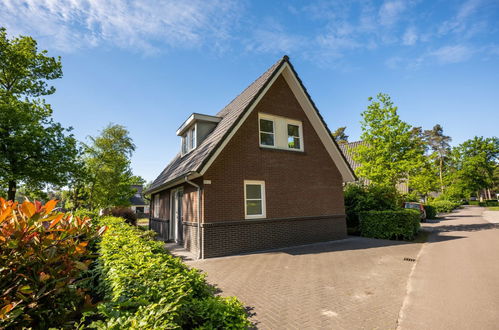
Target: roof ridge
{"type": "Point", "coordinates": [272, 67]}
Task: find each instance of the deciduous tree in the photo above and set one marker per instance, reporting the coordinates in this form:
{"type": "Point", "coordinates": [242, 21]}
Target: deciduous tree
{"type": "Point", "coordinates": [34, 149]}
{"type": "Point", "coordinates": [390, 152]}
{"type": "Point", "coordinates": [107, 160]}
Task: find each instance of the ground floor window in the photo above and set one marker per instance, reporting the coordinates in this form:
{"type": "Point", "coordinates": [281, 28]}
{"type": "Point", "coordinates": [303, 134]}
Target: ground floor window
{"type": "Point", "coordinates": [155, 206]}
{"type": "Point", "coordinates": [254, 199]}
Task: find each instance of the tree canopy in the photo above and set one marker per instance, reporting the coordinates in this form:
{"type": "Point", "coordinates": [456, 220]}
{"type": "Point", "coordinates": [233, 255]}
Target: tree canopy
{"type": "Point", "coordinates": [34, 148]}
{"type": "Point", "coordinates": [107, 162]}
{"type": "Point", "coordinates": [339, 135]}
{"type": "Point", "coordinates": [390, 152]}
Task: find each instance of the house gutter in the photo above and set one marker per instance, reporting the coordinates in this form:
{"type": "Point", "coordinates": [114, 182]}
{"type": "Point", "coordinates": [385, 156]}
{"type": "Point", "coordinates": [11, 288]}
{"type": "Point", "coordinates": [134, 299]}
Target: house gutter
{"type": "Point", "coordinates": [200, 247]}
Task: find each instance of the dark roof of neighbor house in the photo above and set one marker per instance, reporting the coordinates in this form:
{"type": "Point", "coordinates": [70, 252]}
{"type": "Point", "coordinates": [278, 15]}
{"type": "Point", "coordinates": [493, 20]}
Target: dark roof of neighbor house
{"type": "Point", "coordinates": [137, 201]}
{"type": "Point", "coordinates": [194, 161]}
{"type": "Point", "coordinates": [347, 150]}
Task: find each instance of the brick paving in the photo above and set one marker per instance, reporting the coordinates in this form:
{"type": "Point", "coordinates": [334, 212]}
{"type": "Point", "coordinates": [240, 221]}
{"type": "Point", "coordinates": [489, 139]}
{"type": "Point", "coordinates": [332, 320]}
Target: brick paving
{"type": "Point", "coordinates": [357, 283]}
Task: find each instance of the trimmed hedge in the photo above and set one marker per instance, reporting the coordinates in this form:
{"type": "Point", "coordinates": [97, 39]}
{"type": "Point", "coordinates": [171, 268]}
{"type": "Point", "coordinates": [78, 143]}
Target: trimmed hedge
{"type": "Point", "coordinates": [445, 206]}
{"type": "Point", "coordinates": [401, 224]}
{"type": "Point", "coordinates": [491, 202]}
{"type": "Point", "coordinates": [431, 212]}
{"type": "Point", "coordinates": [147, 288]}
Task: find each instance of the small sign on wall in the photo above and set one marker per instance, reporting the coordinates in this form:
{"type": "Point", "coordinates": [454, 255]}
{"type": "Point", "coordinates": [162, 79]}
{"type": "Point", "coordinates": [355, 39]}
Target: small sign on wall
{"type": "Point", "coordinates": [206, 181]}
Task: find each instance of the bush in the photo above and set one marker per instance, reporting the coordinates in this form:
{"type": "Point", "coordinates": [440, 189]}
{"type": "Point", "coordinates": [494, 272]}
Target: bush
{"type": "Point", "coordinates": [86, 213]}
{"type": "Point", "coordinates": [473, 202]}
{"type": "Point", "coordinates": [491, 202]}
{"type": "Point", "coordinates": [360, 198]}
{"type": "Point", "coordinates": [444, 206]}
{"type": "Point", "coordinates": [123, 212]}
{"type": "Point", "coordinates": [400, 224]}
{"type": "Point", "coordinates": [431, 212]}
{"type": "Point", "coordinates": [42, 255]}
{"type": "Point", "coordinates": [147, 288]}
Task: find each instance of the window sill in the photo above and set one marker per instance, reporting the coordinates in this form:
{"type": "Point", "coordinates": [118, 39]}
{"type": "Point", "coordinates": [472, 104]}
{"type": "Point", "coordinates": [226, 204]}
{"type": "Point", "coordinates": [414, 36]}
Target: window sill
{"type": "Point", "coordinates": [251, 217]}
{"type": "Point", "coordinates": [281, 149]}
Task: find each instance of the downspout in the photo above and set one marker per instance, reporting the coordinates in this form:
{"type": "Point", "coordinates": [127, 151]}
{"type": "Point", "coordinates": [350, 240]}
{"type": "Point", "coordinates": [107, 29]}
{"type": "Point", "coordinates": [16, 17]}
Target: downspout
{"type": "Point", "coordinates": [200, 247]}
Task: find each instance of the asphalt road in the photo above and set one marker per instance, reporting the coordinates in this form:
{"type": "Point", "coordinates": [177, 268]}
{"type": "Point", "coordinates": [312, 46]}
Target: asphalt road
{"type": "Point", "coordinates": [455, 281]}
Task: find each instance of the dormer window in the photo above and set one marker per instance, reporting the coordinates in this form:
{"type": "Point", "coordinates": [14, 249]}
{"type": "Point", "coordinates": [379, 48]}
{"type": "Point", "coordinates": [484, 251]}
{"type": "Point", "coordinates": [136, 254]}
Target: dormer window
{"type": "Point", "coordinates": [195, 130]}
{"type": "Point", "coordinates": [189, 140]}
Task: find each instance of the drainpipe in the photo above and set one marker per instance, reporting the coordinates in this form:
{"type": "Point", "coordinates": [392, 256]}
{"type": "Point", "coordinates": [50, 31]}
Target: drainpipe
{"type": "Point", "coordinates": [200, 248]}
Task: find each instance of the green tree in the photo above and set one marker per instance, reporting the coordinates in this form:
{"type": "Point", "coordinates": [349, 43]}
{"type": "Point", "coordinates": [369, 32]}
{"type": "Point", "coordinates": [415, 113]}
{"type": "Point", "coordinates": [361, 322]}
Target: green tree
{"type": "Point", "coordinates": [107, 162]}
{"type": "Point", "coordinates": [390, 152]}
{"type": "Point", "coordinates": [439, 144]}
{"type": "Point", "coordinates": [34, 149]}
{"type": "Point", "coordinates": [474, 162]}
{"type": "Point", "coordinates": [340, 136]}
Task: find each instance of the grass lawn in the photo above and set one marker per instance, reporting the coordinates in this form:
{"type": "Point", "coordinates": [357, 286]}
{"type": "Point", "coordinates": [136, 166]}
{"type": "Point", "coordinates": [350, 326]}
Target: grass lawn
{"type": "Point", "coordinates": [143, 222]}
{"type": "Point", "coordinates": [493, 208]}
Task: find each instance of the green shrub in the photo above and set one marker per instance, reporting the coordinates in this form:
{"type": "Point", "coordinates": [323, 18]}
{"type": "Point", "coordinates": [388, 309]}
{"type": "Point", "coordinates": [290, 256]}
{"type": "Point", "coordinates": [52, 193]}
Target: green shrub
{"type": "Point", "coordinates": [123, 212]}
{"type": "Point", "coordinates": [473, 202]}
{"type": "Point", "coordinates": [400, 224]}
{"type": "Point", "coordinates": [431, 212]}
{"type": "Point", "coordinates": [360, 198]}
{"type": "Point", "coordinates": [444, 206]}
{"type": "Point", "coordinates": [482, 204]}
{"type": "Point", "coordinates": [86, 213]}
{"type": "Point", "coordinates": [147, 288]}
{"type": "Point", "coordinates": [491, 202]}
{"type": "Point", "coordinates": [43, 254]}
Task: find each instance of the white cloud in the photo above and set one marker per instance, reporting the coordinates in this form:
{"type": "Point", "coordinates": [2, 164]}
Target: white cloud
{"type": "Point", "coordinates": [458, 22]}
{"type": "Point", "coordinates": [69, 25]}
{"type": "Point", "coordinates": [390, 11]}
{"type": "Point", "coordinates": [452, 54]}
{"type": "Point", "coordinates": [410, 37]}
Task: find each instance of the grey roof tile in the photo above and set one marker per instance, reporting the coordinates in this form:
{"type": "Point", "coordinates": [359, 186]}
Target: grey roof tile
{"type": "Point", "coordinates": [231, 114]}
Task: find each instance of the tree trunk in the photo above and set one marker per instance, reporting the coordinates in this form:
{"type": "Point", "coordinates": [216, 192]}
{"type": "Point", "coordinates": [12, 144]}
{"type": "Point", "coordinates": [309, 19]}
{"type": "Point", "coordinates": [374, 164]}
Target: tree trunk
{"type": "Point", "coordinates": [11, 195]}
{"type": "Point", "coordinates": [441, 178]}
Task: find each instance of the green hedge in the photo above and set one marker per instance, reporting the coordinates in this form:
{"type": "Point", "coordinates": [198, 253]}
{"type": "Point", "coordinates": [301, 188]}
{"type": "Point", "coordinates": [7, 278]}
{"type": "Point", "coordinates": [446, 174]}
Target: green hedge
{"type": "Point", "coordinates": [147, 288]}
{"type": "Point", "coordinates": [431, 212]}
{"type": "Point", "coordinates": [491, 202]}
{"type": "Point", "coordinates": [444, 206]}
{"type": "Point", "coordinates": [401, 224]}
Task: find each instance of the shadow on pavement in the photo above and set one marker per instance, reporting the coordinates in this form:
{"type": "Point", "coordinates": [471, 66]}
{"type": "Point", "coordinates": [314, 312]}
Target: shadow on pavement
{"type": "Point", "coordinates": [469, 227]}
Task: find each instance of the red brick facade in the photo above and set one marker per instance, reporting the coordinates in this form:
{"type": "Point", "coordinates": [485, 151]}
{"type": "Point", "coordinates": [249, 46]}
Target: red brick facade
{"type": "Point", "coordinates": [304, 195]}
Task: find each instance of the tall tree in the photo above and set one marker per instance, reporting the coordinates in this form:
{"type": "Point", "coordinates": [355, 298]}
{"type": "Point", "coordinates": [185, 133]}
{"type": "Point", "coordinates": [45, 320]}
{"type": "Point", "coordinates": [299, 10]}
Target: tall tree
{"type": "Point", "coordinates": [339, 135]}
{"type": "Point", "coordinates": [440, 145]}
{"type": "Point", "coordinates": [390, 152]}
{"type": "Point", "coordinates": [474, 162]}
{"type": "Point", "coordinates": [33, 148]}
{"type": "Point", "coordinates": [108, 164]}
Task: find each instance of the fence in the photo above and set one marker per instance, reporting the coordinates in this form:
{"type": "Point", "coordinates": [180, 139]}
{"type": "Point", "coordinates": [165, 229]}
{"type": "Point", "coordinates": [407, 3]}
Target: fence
{"type": "Point", "coordinates": [162, 227]}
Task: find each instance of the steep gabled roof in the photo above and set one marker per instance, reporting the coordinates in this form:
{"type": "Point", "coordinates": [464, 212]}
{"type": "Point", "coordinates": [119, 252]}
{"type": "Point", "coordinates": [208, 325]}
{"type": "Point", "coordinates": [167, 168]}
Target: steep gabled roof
{"type": "Point", "coordinates": [199, 159]}
{"type": "Point", "coordinates": [181, 166]}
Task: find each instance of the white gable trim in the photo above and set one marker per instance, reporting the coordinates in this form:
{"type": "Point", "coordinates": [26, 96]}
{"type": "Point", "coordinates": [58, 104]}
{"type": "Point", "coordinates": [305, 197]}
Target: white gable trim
{"type": "Point", "coordinates": [313, 117]}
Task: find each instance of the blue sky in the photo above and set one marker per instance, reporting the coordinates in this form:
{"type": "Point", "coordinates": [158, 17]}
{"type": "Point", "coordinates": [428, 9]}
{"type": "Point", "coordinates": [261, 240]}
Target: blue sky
{"type": "Point", "coordinates": [149, 64]}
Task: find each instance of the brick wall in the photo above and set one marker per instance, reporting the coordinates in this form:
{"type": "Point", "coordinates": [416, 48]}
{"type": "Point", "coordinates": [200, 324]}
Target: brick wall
{"type": "Point", "coordinates": [297, 183]}
{"type": "Point", "coordinates": [226, 238]}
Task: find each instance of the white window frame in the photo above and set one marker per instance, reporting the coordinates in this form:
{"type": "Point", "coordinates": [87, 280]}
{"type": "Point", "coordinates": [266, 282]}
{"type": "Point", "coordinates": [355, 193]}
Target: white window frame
{"type": "Point", "coordinates": [281, 132]}
{"type": "Point", "coordinates": [300, 133]}
{"type": "Point", "coordinates": [155, 209]}
{"type": "Point", "coordinates": [264, 204]}
{"type": "Point", "coordinates": [260, 132]}
{"type": "Point", "coordinates": [189, 140]}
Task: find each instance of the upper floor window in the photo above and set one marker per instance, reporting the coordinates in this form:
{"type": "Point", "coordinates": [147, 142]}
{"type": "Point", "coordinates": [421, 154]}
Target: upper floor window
{"type": "Point", "coordinates": [189, 140]}
{"type": "Point", "coordinates": [266, 132]}
{"type": "Point", "coordinates": [280, 132]}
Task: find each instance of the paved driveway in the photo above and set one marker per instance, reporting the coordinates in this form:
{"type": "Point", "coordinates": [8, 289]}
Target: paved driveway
{"type": "Point", "coordinates": [357, 283]}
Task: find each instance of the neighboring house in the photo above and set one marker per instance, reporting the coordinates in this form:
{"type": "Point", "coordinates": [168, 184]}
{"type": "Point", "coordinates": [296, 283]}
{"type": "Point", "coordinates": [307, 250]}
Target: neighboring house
{"type": "Point", "coordinates": [138, 204]}
{"type": "Point", "coordinates": [348, 151]}
{"type": "Point", "coordinates": [262, 173]}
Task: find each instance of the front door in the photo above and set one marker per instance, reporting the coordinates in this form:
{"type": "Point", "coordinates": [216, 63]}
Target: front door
{"type": "Point", "coordinates": [176, 207]}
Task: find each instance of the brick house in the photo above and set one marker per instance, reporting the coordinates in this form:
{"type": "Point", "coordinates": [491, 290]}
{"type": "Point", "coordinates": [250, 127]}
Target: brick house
{"type": "Point", "coordinates": [262, 173]}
